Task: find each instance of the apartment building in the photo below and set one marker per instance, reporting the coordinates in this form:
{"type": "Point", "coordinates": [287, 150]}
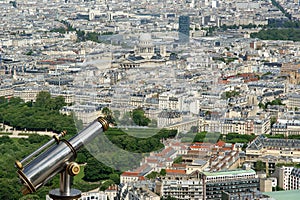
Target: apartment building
{"type": "Point", "coordinates": [166, 118]}
{"type": "Point", "coordinates": [27, 94]}
{"type": "Point", "coordinates": [181, 186]}
{"type": "Point", "coordinates": [262, 146]}
{"type": "Point", "coordinates": [209, 185]}
{"type": "Point", "coordinates": [294, 179]}
{"type": "Point", "coordinates": [284, 177]}
{"type": "Point", "coordinates": [293, 101]}
{"type": "Point", "coordinates": [286, 127]}
{"type": "Point", "coordinates": [6, 91]}
{"type": "Point", "coordinates": [168, 101]}
{"type": "Point", "coordinates": [85, 113]}
{"type": "Point", "coordinates": [232, 182]}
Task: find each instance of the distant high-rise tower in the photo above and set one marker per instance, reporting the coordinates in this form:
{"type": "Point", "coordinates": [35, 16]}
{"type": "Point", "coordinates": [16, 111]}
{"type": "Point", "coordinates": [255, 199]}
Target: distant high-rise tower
{"type": "Point", "coordinates": [184, 29]}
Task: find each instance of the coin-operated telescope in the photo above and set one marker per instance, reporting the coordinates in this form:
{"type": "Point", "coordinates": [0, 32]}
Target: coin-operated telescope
{"type": "Point", "coordinates": [39, 167]}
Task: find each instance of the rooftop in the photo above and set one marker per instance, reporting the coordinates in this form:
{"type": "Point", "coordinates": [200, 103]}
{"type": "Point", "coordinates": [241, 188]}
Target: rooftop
{"type": "Point", "coordinates": [283, 195]}
{"type": "Point", "coordinates": [229, 173]}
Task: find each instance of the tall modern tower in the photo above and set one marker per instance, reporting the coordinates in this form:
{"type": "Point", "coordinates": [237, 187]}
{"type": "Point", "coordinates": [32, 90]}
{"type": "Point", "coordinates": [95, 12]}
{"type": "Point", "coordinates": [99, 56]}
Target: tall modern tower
{"type": "Point", "coordinates": [184, 29]}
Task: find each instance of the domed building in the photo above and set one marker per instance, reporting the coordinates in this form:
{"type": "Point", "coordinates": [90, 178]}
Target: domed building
{"type": "Point", "coordinates": [145, 47]}
{"type": "Point", "coordinates": [145, 54]}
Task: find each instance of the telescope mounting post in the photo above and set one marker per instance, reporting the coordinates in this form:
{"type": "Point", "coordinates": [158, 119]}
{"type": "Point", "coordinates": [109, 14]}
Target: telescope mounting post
{"type": "Point", "coordinates": [65, 192]}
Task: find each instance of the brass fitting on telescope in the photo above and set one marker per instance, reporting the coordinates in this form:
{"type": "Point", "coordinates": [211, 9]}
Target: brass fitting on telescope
{"type": "Point", "coordinates": [73, 169]}
{"type": "Point", "coordinates": [57, 137]}
{"type": "Point", "coordinates": [19, 165]}
{"type": "Point", "coordinates": [104, 123]}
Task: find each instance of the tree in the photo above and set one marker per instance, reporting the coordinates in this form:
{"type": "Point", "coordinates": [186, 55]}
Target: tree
{"type": "Point", "coordinates": [194, 129]}
{"type": "Point", "coordinates": [95, 170]}
{"type": "Point", "coordinates": [277, 188]}
{"type": "Point", "coordinates": [260, 166]}
{"type": "Point", "coordinates": [273, 120]}
{"type": "Point", "coordinates": [5, 139]}
{"type": "Point", "coordinates": [56, 103]}
{"type": "Point", "coordinates": [43, 99]}
{"type": "Point", "coordinates": [138, 116]}
{"type": "Point", "coordinates": [115, 178]}
{"type": "Point", "coordinates": [108, 115]}
{"type": "Point", "coordinates": [163, 172]}
{"type": "Point", "coordinates": [106, 184]}
{"type": "Point", "coordinates": [178, 159]}
{"type": "Point", "coordinates": [106, 111]}
{"type": "Point", "coordinates": [152, 175]}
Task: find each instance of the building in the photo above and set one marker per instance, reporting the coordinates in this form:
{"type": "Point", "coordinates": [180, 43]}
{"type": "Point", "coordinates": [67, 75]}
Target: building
{"type": "Point", "coordinates": [6, 91]}
{"type": "Point", "coordinates": [210, 185]}
{"type": "Point", "coordinates": [294, 179]}
{"type": "Point", "coordinates": [293, 101]}
{"type": "Point", "coordinates": [128, 177]}
{"type": "Point", "coordinates": [284, 177]}
{"type": "Point", "coordinates": [282, 195]}
{"type": "Point", "coordinates": [265, 185]}
{"type": "Point", "coordinates": [166, 118]}
{"type": "Point", "coordinates": [136, 175]}
{"type": "Point", "coordinates": [138, 190]}
{"type": "Point", "coordinates": [292, 71]}
{"type": "Point", "coordinates": [142, 194]}
{"type": "Point", "coordinates": [111, 192]}
{"type": "Point", "coordinates": [68, 95]}
{"type": "Point", "coordinates": [184, 29]}
{"type": "Point", "coordinates": [184, 125]}
{"type": "Point", "coordinates": [286, 127]}
{"type": "Point", "coordinates": [27, 94]}
{"type": "Point", "coordinates": [241, 182]}
{"type": "Point", "coordinates": [182, 186]}
{"type": "Point", "coordinates": [92, 195]}
{"type": "Point", "coordinates": [289, 178]}
{"type": "Point", "coordinates": [169, 101]}
{"type": "Point", "coordinates": [85, 113]}
{"type": "Point", "coordinates": [273, 150]}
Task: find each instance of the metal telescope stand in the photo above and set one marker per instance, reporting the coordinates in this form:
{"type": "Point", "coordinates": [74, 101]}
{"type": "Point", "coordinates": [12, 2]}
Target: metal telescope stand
{"type": "Point", "coordinates": [65, 192]}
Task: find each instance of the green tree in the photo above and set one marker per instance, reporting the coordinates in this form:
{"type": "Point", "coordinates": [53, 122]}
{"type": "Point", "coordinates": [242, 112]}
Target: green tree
{"type": "Point", "coordinates": [106, 111]}
{"type": "Point", "coordinates": [260, 166]}
{"type": "Point", "coordinates": [273, 120]}
{"type": "Point", "coordinates": [115, 178]}
{"type": "Point", "coordinates": [43, 99]}
{"type": "Point", "coordinates": [139, 118]}
{"type": "Point", "coordinates": [56, 103]}
{"type": "Point", "coordinates": [194, 129]}
{"type": "Point", "coordinates": [163, 172]}
{"type": "Point", "coordinates": [200, 137]}
{"type": "Point", "coordinates": [108, 115]}
{"type": "Point", "coordinates": [106, 184]}
{"type": "Point", "coordinates": [277, 188]}
{"type": "Point", "coordinates": [95, 170]}
{"type": "Point", "coordinates": [178, 159]}
{"type": "Point", "coordinates": [152, 175]}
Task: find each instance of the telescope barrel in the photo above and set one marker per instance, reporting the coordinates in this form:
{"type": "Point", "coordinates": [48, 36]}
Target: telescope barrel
{"type": "Point", "coordinates": [42, 148]}
{"type": "Point", "coordinates": [53, 161]}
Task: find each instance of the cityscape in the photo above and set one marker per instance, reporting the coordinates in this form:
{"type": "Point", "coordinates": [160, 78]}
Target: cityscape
{"type": "Point", "coordinates": [202, 96]}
